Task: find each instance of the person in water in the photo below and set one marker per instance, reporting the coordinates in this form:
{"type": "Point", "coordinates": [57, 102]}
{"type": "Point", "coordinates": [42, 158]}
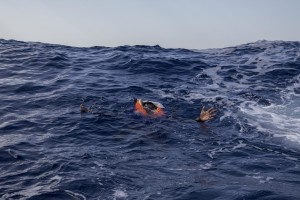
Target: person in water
{"type": "Point", "coordinates": [149, 108]}
{"type": "Point", "coordinates": [155, 109]}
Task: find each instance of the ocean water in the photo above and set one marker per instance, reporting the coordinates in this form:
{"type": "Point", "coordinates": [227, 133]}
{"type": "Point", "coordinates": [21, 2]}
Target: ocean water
{"type": "Point", "coordinates": [48, 150]}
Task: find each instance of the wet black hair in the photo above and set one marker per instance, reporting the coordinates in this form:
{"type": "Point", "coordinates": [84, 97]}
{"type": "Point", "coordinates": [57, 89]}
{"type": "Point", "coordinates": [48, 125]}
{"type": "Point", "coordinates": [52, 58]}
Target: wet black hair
{"type": "Point", "coordinates": [149, 107]}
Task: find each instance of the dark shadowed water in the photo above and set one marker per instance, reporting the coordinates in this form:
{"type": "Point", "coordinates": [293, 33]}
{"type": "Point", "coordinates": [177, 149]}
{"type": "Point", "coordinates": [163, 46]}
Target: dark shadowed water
{"type": "Point", "coordinates": [48, 150]}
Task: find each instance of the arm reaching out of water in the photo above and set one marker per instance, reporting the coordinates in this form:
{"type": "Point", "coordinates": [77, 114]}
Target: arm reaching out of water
{"type": "Point", "coordinates": [206, 115]}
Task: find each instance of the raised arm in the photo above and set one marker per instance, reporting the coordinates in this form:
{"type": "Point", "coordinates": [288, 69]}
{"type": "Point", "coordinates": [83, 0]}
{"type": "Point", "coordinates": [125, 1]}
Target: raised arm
{"type": "Point", "coordinates": [206, 115]}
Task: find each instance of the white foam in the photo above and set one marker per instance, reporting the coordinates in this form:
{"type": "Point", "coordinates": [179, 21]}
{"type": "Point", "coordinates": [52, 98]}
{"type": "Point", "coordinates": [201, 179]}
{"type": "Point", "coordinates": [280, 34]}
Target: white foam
{"type": "Point", "coordinates": [55, 180]}
{"type": "Point", "coordinates": [99, 164]}
{"type": "Point", "coordinates": [119, 194]}
{"type": "Point", "coordinates": [74, 195]}
{"type": "Point", "coordinates": [40, 188]}
{"type": "Point", "coordinates": [278, 120]}
{"type": "Point", "coordinates": [290, 90]}
{"type": "Point", "coordinates": [206, 166]}
{"type": "Point", "coordinates": [240, 145]}
{"type": "Point", "coordinates": [261, 179]}
{"type": "Point", "coordinates": [281, 119]}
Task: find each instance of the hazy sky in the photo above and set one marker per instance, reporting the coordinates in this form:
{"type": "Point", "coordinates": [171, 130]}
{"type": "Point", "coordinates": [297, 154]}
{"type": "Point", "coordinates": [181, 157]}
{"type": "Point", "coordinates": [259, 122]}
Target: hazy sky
{"type": "Point", "coordinates": [193, 24]}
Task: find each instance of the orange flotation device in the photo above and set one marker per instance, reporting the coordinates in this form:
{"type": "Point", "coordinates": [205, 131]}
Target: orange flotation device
{"type": "Point", "coordinates": [157, 112]}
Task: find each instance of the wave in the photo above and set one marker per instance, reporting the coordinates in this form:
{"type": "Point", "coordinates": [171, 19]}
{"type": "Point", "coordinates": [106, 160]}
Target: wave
{"type": "Point", "coordinates": [49, 150]}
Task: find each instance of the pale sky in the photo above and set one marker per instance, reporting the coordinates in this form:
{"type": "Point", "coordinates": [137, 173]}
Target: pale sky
{"type": "Point", "coordinates": [192, 24]}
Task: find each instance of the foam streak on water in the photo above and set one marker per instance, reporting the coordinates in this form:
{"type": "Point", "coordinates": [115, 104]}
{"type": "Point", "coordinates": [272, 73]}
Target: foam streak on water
{"type": "Point", "coordinates": [48, 150]}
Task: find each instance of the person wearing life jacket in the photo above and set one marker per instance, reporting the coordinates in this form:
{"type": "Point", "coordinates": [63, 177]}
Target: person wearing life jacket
{"type": "Point", "coordinates": [149, 108]}
{"type": "Point", "coordinates": [155, 109]}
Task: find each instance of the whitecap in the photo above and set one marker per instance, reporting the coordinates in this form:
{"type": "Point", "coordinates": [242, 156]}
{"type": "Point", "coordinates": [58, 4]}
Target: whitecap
{"type": "Point", "coordinates": [119, 194]}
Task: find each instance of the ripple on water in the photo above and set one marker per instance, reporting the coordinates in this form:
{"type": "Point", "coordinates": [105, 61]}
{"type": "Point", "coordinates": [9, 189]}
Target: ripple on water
{"type": "Point", "coordinates": [48, 150]}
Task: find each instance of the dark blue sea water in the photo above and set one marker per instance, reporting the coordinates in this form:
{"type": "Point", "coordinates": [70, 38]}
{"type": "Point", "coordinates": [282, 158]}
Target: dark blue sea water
{"type": "Point", "coordinates": [48, 150]}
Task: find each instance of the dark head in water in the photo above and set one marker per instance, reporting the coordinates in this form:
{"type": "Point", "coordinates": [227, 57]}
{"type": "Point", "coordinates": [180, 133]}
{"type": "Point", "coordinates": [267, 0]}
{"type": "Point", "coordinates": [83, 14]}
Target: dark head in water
{"type": "Point", "coordinates": [149, 108]}
{"type": "Point", "coordinates": [83, 109]}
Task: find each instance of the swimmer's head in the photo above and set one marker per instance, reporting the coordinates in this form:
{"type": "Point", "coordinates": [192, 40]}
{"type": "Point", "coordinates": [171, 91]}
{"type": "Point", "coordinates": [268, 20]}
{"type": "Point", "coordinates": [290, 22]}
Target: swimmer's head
{"type": "Point", "coordinates": [149, 107]}
{"type": "Point", "coordinates": [83, 109]}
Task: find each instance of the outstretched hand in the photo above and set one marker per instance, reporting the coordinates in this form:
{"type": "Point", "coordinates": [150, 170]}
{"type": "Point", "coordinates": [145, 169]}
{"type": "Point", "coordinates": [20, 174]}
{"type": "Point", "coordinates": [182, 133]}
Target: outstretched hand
{"type": "Point", "coordinates": [206, 115]}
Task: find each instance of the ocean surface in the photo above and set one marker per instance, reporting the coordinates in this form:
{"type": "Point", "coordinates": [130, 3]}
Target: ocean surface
{"type": "Point", "coordinates": [49, 150]}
